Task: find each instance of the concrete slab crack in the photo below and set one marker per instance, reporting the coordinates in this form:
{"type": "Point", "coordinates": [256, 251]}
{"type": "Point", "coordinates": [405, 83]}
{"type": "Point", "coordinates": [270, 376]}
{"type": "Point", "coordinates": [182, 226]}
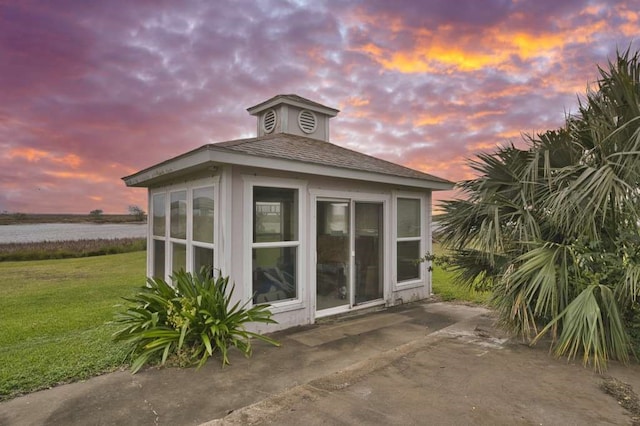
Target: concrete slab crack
{"type": "Point", "coordinates": [157, 418]}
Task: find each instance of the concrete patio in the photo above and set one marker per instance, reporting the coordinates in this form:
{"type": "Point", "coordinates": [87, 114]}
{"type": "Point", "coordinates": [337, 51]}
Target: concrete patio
{"type": "Point", "coordinates": [435, 363]}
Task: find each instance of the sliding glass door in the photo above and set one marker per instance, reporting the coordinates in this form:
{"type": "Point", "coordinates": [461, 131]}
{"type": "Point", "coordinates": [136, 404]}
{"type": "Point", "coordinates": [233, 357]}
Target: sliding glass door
{"type": "Point", "coordinates": [332, 252]}
{"type": "Point", "coordinates": [349, 254]}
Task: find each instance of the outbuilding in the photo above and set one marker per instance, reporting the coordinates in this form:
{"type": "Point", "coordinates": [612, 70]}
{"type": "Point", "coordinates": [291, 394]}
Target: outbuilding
{"type": "Point", "coordinates": [312, 228]}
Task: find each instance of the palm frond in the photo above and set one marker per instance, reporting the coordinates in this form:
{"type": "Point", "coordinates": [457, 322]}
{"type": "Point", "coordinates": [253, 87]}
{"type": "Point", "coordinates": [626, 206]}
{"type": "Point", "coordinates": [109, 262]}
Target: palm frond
{"type": "Point", "coordinates": [591, 325]}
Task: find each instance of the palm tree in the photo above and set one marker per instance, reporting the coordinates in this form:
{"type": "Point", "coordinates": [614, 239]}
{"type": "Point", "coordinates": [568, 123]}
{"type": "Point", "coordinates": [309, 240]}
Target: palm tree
{"type": "Point", "coordinates": [553, 229]}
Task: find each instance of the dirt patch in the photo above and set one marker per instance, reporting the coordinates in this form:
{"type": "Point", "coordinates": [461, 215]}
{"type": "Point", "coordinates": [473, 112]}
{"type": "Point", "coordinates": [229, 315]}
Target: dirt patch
{"type": "Point", "coordinates": [624, 394]}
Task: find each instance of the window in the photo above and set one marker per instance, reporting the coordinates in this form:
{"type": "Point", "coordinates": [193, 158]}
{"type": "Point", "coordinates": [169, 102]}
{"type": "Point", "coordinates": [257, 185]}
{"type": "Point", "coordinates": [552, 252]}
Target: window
{"type": "Point", "coordinates": [203, 221]}
{"type": "Point", "coordinates": [409, 237]}
{"type": "Point", "coordinates": [158, 215]}
{"type": "Point", "coordinates": [182, 230]}
{"type": "Point", "coordinates": [178, 227]}
{"type": "Point", "coordinates": [179, 215]}
{"type": "Point", "coordinates": [158, 259]}
{"type": "Point", "coordinates": [275, 244]}
{"type": "Point", "coordinates": [158, 235]}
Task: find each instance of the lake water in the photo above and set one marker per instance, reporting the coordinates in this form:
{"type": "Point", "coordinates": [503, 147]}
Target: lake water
{"type": "Point", "coordinates": [69, 231]}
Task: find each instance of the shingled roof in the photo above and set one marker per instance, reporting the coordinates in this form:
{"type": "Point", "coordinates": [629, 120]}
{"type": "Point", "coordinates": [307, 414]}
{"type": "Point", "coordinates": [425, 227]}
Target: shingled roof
{"type": "Point", "coordinates": [288, 152]}
{"type": "Point", "coordinates": [308, 150]}
{"type": "Point", "coordinates": [289, 145]}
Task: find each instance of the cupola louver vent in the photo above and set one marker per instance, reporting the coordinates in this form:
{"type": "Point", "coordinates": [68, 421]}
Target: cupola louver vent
{"type": "Point", "coordinates": [307, 121]}
{"type": "Point", "coordinates": [269, 121]}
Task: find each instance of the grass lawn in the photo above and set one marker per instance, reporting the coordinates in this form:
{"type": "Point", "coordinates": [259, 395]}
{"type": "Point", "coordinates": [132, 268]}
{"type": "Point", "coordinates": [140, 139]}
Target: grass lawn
{"type": "Point", "coordinates": [445, 286]}
{"type": "Point", "coordinates": [53, 318]}
{"type": "Point", "coordinates": [54, 314]}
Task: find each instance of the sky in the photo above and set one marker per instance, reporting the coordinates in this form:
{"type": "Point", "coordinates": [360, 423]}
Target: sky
{"type": "Point", "coordinates": [91, 91]}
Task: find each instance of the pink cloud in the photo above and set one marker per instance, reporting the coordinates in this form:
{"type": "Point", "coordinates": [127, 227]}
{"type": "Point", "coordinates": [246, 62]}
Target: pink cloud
{"type": "Point", "coordinates": [93, 91]}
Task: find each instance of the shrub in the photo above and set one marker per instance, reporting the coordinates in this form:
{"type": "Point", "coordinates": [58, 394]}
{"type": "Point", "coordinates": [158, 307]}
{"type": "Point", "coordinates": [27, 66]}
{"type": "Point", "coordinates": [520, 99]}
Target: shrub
{"type": "Point", "coordinates": [69, 249]}
{"type": "Point", "coordinates": [552, 228]}
{"type": "Point", "coordinates": [188, 321]}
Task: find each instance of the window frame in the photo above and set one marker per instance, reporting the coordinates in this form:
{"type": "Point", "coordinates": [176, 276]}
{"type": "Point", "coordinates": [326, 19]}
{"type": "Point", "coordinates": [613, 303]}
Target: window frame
{"type": "Point", "coordinates": [188, 241]}
{"type": "Point", "coordinates": [250, 182]}
{"type": "Point", "coordinates": [418, 281]}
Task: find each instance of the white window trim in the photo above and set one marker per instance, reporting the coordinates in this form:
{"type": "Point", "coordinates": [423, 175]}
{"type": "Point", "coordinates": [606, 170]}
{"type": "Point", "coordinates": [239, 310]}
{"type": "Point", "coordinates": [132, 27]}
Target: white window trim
{"type": "Point", "coordinates": [189, 187]}
{"type": "Point", "coordinates": [424, 246]}
{"type": "Point", "coordinates": [251, 181]}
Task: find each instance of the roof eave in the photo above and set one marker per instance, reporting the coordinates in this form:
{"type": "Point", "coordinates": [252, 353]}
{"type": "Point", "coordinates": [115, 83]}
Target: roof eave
{"type": "Point", "coordinates": [176, 166]}
{"type": "Point", "coordinates": [208, 157]}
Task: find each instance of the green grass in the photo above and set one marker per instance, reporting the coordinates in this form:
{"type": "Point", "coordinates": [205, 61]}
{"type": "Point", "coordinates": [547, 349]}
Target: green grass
{"type": "Point", "coordinates": [53, 319]}
{"type": "Point", "coordinates": [447, 289]}
{"type": "Point", "coordinates": [54, 315]}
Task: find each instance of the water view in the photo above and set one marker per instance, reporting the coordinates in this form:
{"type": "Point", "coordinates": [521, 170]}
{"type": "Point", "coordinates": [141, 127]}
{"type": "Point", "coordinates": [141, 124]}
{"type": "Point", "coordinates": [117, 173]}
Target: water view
{"type": "Point", "coordinates": [69, 231]}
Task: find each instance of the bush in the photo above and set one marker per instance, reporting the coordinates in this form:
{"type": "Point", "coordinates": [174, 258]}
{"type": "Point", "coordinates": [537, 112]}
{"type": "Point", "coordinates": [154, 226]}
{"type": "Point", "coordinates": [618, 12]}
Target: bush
{"type": "Point", "coordinates": [189, 321]}
{"type": "Point", "coordinates": [552, 228]}
{"type": "Point", "coordinates": [69, 249]}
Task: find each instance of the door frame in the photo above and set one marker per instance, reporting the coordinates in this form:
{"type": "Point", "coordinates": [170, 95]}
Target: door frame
{"type": "Point", "coordinates": [352, 197]}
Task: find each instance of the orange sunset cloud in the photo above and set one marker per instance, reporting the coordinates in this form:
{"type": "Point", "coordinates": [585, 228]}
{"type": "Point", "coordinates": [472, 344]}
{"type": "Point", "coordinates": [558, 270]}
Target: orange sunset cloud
{"type": "Point", "coordinates": [95, 91]}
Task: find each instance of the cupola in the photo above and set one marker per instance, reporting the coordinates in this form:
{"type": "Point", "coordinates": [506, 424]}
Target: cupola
{"type": "Point", "coordinates": [295, 115]}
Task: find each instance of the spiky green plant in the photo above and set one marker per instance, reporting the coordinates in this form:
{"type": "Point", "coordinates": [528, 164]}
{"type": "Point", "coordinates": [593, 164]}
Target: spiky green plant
{"type": "Point", "coordinates": [189, 320]}
{"type": "Point", "coordinates": [553, 229]}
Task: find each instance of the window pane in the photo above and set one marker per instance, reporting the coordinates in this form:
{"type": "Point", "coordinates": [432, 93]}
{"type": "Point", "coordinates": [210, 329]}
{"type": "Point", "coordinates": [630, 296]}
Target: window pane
{"type": "Point", "coordinates": [408, 253]}
{"type": "Point", "coordinates": [203, 214]}
{"type": "Point", "coordinates": [333, 218]}
{"type": "Point", "coordinates": [275, 215]}
{"type": "Point", "coordinates": [368, 252]}
{"type": "Point", "coordinates": [179, 214]}
{"type": "Point", "coordinates": [408, 217]}
{"type": "Point", "coordinates": [368, 219]}
{"type": "Point", "coordinates": [158, 215]}
{"type": "Point", "coordinates": [158, 259]}
{"type": "Point", "coordinates": [202, 257]}
{"type": "Point", "coordinates": [332, 254]}
{"type": "Point", "coordinates": [179, 257]}
{"type": "Point", "coordinates": [274, 274]}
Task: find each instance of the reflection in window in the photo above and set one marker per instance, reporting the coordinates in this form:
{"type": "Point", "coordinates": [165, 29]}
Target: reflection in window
{"type": "Point", "coordinates": [275, 216]}
{"type": "Point", "coordinates": [178, 217]}
{"type": "Point", "coordinates": [336, 218]}
{"type": "Point", "coordinates": [158, 259]}
{"type": "Point", "coordinates": [368, 219]}
{"type": "Point", "coordinates": [274, 274]}
{"type": "Point", "coordinates": [275, 244]}
{"type": "Point", "coordinates": [408, 267]}
{"type": "Point", "coordinates": [158, 215]}
{"type": "Point", "coordinates": [332, 254]}
{"type": "Point", "coordinates": [202, 257]}
{"type": "Point", "coordinates": [409, 231]}
{"type": "Point", "coordinates": [408, 217]}
{"type": "Point", "coordinates": [203, 214]}
{"type": "Point", "coordinates": [179, 257]}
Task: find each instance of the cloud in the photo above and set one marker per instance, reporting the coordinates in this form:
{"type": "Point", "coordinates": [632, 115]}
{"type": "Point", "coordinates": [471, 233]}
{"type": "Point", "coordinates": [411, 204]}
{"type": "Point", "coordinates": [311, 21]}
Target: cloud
{"type": "Point", "coordinates": [92, 91]}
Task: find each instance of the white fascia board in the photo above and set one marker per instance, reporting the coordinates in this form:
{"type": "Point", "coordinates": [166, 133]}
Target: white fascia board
{"type": "Point", "coordinates": [175, 165]}
{"type": "Point", "coordinates": [212, 156]}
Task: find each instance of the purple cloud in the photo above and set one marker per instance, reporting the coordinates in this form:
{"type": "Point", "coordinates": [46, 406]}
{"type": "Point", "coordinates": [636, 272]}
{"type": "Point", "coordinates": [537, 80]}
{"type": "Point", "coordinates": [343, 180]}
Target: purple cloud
{"type": "Point", "coordinates": [92, 91]}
